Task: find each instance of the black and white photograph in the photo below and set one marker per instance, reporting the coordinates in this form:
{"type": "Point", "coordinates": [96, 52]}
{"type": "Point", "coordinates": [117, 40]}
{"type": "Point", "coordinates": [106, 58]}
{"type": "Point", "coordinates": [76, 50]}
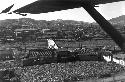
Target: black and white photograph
{"type": "Point", "coordinates": [62, 40]}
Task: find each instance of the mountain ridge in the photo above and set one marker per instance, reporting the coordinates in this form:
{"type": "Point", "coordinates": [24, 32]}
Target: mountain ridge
{"type": "Point", "coordinates": [39, 23]}
{"type": "Point", "coordinates": [118, 21]}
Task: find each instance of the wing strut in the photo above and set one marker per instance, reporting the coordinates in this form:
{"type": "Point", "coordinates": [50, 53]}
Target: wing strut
{"type": "Point", "coordinates": [105, 25]}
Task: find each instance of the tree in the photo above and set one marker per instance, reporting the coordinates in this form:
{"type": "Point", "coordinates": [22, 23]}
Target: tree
{"type": "Point", "coordinates": [78, 35]}
{"type": "Point", "coordinates": [60, 35]}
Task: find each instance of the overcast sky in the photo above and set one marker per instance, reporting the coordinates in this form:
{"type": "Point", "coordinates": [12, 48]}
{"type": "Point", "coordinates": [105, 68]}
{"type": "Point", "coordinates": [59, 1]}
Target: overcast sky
{"type": "Point", "coordinates": [109, 11]}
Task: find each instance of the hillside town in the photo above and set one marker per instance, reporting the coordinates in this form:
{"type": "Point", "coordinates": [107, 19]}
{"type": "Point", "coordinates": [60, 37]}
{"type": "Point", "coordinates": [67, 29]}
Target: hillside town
{"type": "Point", "coordinates": [58, 29]}
{"type": "Point", "coordinates": [57, 51]}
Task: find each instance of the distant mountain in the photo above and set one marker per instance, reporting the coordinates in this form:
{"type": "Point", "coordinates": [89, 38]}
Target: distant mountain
{"type": "Point", "coordinates": [7, 22]}
{"type": "Point", "coordinates": [118, 20]}
{"type": "Point", "coordinates": [31, 23]}
{"type": "Point", "coordinates": [21, 22]}
{"type": "Point", "coordinates": [115, 21]}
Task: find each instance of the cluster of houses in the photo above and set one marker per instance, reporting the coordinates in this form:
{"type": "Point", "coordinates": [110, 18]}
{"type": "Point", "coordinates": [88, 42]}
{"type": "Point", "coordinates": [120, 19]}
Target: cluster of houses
{"type": "Point", "coordinates": [27, 35]}
{"type": "Point", "coordinates": [33, 35]}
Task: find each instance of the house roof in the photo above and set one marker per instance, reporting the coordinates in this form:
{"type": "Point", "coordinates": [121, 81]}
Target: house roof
{"type": "Point", "coordinates": [6, 53]}
{"type": "Point", "coordinates": [24, 29]}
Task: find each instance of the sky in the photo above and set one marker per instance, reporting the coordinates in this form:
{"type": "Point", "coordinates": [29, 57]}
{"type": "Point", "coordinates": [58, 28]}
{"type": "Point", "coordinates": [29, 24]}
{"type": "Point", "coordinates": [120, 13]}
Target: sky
{"type": "Point", "coordinates": [109, 10]}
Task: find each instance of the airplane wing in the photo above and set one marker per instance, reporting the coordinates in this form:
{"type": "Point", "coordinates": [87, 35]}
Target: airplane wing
{"type": "Point", "coordinates": [44, 6]}
{"type": "Point", "coordinates": [7, 9]}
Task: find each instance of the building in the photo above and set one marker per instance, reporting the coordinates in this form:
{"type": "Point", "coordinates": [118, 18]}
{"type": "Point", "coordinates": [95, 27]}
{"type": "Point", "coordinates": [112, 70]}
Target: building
{"type": "Point", "coordinates": [49, 34]}
{"type": "Point", "coordinates": [26, 34]}
{"type": "Point", "coordinates": [39, 56]}
{"type": "Point", "coordinates": [40, 53]}
{"type": "Point", "coordinates": [6, 55]}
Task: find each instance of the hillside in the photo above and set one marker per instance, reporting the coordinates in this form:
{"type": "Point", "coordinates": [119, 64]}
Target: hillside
{"type": "Point", "coordinates": [118, 20]}
{"type": "Point", "coordinates": [31, 23]}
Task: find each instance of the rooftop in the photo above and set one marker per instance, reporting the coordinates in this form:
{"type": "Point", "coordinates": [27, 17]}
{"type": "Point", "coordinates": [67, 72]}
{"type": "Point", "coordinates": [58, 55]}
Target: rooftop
{"type": "Point", "coordinates": [24, 29]}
